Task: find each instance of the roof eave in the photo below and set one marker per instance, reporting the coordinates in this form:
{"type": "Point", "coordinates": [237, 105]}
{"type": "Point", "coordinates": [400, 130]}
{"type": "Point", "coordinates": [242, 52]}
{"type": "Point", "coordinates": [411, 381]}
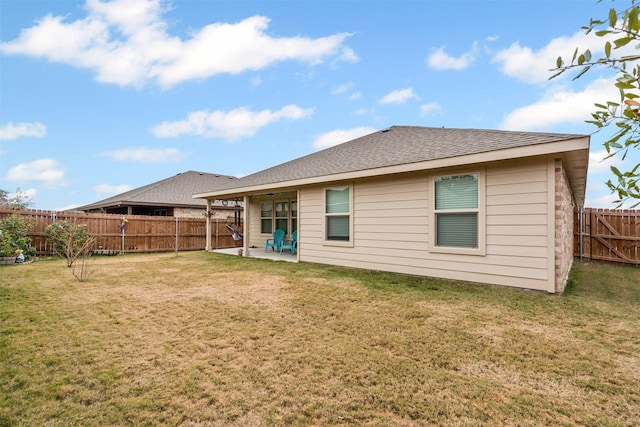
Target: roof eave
{"type": "Point", "coordinates": [138, 203]}
{"type": "Point", "coordinates": [559, 147]}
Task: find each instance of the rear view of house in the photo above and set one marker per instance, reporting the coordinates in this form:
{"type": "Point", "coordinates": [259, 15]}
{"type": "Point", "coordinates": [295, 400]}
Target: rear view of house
{"type": "Point", "coordinates": [476, 205]}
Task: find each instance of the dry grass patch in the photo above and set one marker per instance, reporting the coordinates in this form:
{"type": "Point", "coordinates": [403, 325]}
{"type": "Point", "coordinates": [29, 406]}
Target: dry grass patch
{"type": "Point", "coordinates": [207, 339]}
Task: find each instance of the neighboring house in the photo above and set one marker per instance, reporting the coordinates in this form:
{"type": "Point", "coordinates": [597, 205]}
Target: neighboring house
{"type": "Point", "coordinates": [169, 197]}
{"type": "Point", "coordinates": [484, 206]}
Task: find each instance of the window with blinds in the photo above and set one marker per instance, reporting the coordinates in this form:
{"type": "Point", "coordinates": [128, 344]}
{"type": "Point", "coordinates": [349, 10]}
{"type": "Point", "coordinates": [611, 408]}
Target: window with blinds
{"type": "Point", "coordinates": [337, 214]}
{"type": "Point", "coordinates": [456, 211]}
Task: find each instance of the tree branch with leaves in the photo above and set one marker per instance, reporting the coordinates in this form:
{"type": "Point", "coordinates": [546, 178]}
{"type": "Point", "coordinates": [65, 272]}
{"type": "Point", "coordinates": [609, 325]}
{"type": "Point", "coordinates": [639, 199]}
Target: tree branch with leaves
{"type": "Point", "coordinates": [620, 30]}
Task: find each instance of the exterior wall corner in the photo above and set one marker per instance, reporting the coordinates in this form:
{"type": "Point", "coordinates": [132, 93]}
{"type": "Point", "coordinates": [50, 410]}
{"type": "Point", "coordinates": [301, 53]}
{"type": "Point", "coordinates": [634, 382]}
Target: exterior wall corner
{"type": "Point", "coordinates": [564, 217]}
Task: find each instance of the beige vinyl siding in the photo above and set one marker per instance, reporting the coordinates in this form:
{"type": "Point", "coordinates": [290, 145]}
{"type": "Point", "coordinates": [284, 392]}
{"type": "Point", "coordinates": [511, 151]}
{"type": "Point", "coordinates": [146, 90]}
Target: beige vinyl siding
{"type": "Point", "coordinates": [255, 238]}
{"type": "Point", "coordinates": [392, 230]}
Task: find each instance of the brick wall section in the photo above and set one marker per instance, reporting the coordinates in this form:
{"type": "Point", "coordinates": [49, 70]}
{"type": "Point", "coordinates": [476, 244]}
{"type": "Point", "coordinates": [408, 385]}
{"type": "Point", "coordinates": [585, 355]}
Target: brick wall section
{"type": "Point", "coordinates": [564, 216]}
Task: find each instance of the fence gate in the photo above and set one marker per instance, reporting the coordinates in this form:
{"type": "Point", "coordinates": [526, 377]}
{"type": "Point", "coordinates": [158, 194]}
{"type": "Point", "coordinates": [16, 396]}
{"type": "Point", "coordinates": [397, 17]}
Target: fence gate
{"type": "Point", "coordinates": [608, 235]}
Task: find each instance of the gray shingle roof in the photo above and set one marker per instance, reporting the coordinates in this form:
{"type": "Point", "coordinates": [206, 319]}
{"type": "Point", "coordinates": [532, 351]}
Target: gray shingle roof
{"type": "Point", "coordinates": [174, 191]}
{"type": "Point", "coordinates": [396, 145]}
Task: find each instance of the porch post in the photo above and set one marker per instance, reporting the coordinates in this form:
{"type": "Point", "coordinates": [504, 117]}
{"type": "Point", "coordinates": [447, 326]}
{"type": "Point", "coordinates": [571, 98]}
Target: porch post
{"type": "Point", "coordinates": [207, 245]}
{"type": "Point", "coordinates": [298, 217]}
{"type": "Point", "coordinates": [245, 231]}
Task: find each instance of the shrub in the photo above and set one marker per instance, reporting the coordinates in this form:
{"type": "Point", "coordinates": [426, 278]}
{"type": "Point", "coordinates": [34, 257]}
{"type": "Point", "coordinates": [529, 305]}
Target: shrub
{"type": "Point", "coordinates": [69, 240]}
{"type": "Point", "coordinates": [14, 236]}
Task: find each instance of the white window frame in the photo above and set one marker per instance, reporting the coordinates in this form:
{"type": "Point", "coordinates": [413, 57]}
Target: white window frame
{"type": "Point", "coordinates": [264, 218]}
{"type": "Point", "coordinates": [481, 250]}
{"type": "Point", "coordinates": [325, 241]}
{"type": "Point", "coordinates": [286, 218]}
{"type": "Point", "coordinates": [290, 218]}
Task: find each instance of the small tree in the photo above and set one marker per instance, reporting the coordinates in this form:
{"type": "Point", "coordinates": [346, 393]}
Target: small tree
{"type": "Point", "coordinates": [622, 29]}
{"type": "Point", "coordinates": [15, 231]}
{"type": "Point", "coordinates": [83, 271]}
{"type": "Point", "coordinates": [69, 240]}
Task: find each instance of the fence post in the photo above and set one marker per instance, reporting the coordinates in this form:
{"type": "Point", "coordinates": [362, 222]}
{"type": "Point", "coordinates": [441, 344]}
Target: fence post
{"type": "Point", "coordinates": [591, 234]}
{"type": "Point", "coordinates": [176, 235]}
{"type": "Point", "coordinates": [122, 236]}
{"type": "Point", "coordinates": [53, 221]}
{"type": "Point", "coordinates": [581, 228]}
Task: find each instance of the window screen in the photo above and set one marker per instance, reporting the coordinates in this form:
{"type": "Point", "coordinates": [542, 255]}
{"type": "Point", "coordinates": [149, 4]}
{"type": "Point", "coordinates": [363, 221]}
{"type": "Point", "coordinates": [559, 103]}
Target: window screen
{"type": "Point", "coordinates": [337, 208]}
{"type": "Point", "coordinates": [456, 211]}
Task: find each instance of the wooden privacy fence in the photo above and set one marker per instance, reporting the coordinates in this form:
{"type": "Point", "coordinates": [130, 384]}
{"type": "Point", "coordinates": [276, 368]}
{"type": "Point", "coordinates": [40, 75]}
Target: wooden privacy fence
{"type": "Point", "coordinates": [141, 233]}
{"type": "Point", "coordinates": [607, 235]}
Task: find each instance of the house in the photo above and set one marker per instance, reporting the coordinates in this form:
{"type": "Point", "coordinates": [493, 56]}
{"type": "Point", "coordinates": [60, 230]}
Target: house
{"type": "Point", "coordinates": [485, 206]}
{"type": "Point", "coordinates": [169, 197]}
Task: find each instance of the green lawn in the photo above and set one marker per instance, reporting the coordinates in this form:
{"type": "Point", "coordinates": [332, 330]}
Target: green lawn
{"type": "Point", "coordinates": [208, 339]}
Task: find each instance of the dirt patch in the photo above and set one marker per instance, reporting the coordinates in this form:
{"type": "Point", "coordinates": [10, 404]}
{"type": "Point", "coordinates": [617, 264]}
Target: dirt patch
{"type": "Point", "coordinates": [238, 288]}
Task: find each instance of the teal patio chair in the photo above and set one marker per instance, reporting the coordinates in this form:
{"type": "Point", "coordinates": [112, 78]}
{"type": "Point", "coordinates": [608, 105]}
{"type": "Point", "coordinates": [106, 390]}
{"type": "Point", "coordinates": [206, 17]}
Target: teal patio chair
{"type": "Point", "coordinates": [290, 243]}
{"type": "Point", "coordinates": [276, 242]}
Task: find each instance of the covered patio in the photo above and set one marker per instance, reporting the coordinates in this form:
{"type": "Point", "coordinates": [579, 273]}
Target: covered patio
{"type": "Point", "coordinates": [263, 212]}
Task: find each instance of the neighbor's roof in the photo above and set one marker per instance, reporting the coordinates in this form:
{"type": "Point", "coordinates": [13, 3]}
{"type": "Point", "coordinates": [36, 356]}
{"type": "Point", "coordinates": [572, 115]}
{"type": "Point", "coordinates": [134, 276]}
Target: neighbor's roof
{"type": "Point", "coordinates": [402, 145]}
{"type": "Point", "coordinates": [174, 191]}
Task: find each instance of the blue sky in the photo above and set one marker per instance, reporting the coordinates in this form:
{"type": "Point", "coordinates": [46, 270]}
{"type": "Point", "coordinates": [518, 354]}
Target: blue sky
{"type": "Point", "coordinates": [99, 97]}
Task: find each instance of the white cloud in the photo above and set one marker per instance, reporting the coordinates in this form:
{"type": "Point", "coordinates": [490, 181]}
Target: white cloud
{"type": "Point", "coordinates": [599, 163]}
{"type": "Point", "coordinates": [428, 108]}
{"type": "Point", "coordinates": [144, 155]}
{"type": "Point", "coordinates": [398, 96]}
{"type": "Point", "coordinates": [229, 125]}
{"type": "Point", "coordinates": [348, 55]}
{"type": "Point", "coordinates": [561, 105]}
{"type": "Point", "coordinates": [256, 81]}
{"type": "Point", "coordinates": [23, 129]}
{"type": "Point", "coordinates": [44, 170]}
{"type": "Point", "coordinates": [608, 201]}
{"type": "Point", "coordinates": [441, 60]}
{"type": "Point", "coordinates": [67, 207]}
{"type": "Point", "coordinates": [339, 136]}
{"type": "Point", "coordinates": [529, 66]}
{"type": "Point", "coordinates": [343, 88]}
{"type": "Point", "coordinates": [126, 42]}
{"type": "Point", "coordinates": [29, 193]}
{"type": "Point", "coordinates": [106, 190]}
{"type": "Point", "coordinates": [602, 201]}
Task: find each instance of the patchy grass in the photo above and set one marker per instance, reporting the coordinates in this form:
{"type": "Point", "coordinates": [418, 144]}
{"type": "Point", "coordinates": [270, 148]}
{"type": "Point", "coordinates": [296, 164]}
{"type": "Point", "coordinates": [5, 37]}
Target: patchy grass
{"type": "Point", "coordinates": [209, 339]}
